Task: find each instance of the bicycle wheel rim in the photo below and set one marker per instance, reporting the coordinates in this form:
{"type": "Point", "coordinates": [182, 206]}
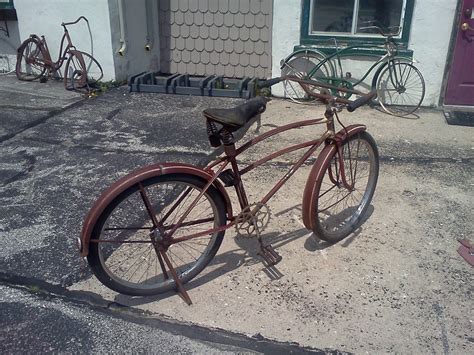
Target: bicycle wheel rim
{"type": "Point", "coordinates": [339, 210]}
{"type": "Point", "coordinates": [400, 89]}
{"type": "Point", "coordinates": [301, 66]}
{"type": "Point", "coordinates": [134, 268]}
{"type": "Point", "coordinates": [82, 72]}
{"type": "Point", "coordinates": [30, 62]}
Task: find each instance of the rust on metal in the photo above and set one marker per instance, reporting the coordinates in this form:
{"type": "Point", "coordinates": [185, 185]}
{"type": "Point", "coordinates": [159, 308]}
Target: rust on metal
{"type": "Point", "coordinates": [133, 178]}
{"type": "Point", "coordinates": [308, 205]}
{"type": "Point", "coordinates": [466, 250]}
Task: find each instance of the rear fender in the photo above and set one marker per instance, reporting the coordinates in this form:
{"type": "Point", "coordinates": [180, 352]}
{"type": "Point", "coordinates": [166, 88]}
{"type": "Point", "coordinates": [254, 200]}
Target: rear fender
{"type": "Point", "coordinates": [309, 195]}
{"type": "Point", "coordinates": [131, 179]}
{"type": "Point", "coordinates": [295, 53]}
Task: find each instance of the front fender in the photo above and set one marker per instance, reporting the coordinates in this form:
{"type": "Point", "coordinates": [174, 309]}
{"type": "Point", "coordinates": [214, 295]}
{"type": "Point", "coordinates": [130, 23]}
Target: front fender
{"type": "Point", "coordinates": [375, 79]}
{"type": "Point", "coordinates": [309, 195]}
{"type": "Point", "coordinates": [131, 179]}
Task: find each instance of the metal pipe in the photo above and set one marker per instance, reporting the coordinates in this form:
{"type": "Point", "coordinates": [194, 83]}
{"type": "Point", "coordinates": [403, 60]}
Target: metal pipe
{"type": "Point", "coordinates": [149, 24]}
{"type": "Point", "coordinates": [123, 42]}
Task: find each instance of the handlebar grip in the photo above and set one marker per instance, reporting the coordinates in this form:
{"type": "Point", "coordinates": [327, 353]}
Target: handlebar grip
{"type": "Point", "coordinates": [269, 82]}
{"type": "Point", "coordinates": [361, 101]}
{"type": "Point", "coordinates": [74, 22]}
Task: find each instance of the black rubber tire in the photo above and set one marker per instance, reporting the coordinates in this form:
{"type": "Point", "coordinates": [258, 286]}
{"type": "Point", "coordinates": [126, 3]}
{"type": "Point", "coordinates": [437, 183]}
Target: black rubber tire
{"type": "Point", "coordinates": [400, 88]}
{"type": "Point", "coordinates": [334, 225]}
{"type": "Point", "coordinates": [145, 258]}
{"type": "Point", "coordinates": [82, 74]}
{"type": "Point", "coordinates": [28, 49]}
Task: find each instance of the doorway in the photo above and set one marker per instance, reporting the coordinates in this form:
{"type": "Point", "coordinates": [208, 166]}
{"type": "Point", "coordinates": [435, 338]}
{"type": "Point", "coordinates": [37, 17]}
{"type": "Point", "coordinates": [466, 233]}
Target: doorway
{"type": "Point", "coordinates": [460, 84]}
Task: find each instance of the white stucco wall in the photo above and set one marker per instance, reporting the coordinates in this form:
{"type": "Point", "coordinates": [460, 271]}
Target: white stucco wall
{"type": "Point", "coordinates": [136, 59]}
{"type": "Point", "coordinates": [8, 46]}
{"type": "Point", "coordinates": [285, 35]}
{"type": "Point", "coordinates": [44, 17]}
{"type": "Point", "coordinates": [429, 39]}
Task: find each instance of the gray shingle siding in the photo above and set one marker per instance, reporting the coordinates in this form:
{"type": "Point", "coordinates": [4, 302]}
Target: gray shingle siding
{"type": "Point", "coordinates": [224, 37]}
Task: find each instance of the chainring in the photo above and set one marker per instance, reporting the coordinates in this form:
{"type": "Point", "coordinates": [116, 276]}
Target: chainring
{"type": "Point", "coordinates": [249, 225]}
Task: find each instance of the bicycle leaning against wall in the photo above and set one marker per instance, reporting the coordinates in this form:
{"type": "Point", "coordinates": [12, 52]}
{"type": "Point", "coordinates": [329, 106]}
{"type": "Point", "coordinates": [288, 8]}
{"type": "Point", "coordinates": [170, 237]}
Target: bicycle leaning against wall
{"type": "Point", "coordinates": [399, 84]}
{"type": "Point", "coordinates": [34, 61]}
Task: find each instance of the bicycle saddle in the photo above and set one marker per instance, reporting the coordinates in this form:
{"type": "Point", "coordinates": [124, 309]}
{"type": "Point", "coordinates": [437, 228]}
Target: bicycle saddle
{"type": "Point", "coordinates": [237, 117]}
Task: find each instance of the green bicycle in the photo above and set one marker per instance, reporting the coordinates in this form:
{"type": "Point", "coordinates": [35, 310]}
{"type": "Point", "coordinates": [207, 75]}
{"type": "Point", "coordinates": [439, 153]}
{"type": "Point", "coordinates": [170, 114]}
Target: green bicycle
{"type": "Point", "coordinates": [399, 84]}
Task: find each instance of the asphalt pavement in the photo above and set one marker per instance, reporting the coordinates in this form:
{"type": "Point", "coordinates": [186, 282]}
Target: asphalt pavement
{"type": "Point", "coordinates": [58, 150]}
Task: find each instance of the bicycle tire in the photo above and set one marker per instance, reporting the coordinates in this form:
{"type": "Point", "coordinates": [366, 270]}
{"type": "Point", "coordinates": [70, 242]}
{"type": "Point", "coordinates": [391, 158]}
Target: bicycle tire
{"type": "Point", "coordinates": [400, 88]}
{"type": "Point", "coordinates": [134, 268]}
{"type": "Point", "coordinates": [300, 66]}
{"type": "Point", "coordinates": [338, 210]}
{"type": "Point", "coordinates": [82, 72]}
{"type": "Point", "coordinates": [30, 63]}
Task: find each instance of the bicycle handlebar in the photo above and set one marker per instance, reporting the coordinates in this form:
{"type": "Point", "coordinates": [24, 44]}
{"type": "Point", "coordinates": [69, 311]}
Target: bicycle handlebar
{"type": "Point", "coordinates": [384, 31]}
{"type": "Point", "coordinates": [361, 101]}
{"type": "Point", "coordinates": [306, 84]}
{"type": "Point", "coordinates": [269, 82]}
{"type": "Point", "coordinates": [64, 24]}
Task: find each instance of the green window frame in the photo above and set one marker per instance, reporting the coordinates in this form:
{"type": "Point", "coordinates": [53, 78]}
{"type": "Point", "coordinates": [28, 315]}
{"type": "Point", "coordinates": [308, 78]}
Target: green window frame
{"type": "Point", "coordinates": [6, 4]}
{"type": "Point", "coordinates": [308, 38]}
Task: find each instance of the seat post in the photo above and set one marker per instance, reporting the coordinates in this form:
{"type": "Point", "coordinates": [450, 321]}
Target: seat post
{"type": "Point", "coordinates": [230, 152]}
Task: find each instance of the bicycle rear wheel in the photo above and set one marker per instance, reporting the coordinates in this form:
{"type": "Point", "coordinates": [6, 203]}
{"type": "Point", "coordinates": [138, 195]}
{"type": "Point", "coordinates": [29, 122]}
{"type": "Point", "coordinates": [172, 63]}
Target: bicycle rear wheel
{"type": "Point", "coordinates": [123, 257]}
{"type": "Point", "coordinates": [82, 72]}
{"type": "Point", "coordinates": [400, 88]}
{"type": "Point", "coordinates": [339, 210]}
{"type": "Point", "coordinates": [30, 64]}
{"type": "Point", "coordinates": [301, 66]}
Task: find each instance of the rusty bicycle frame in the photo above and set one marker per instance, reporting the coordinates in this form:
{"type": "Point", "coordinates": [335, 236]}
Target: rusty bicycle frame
{"type": "Point", "coordinates": [50, 65]}
{"type": "Point", "coordinates": [231, 153]}
{"type": "Point", "coordinates": [66, 50]}
{"type": "Point", "coordinates": [212, 172]}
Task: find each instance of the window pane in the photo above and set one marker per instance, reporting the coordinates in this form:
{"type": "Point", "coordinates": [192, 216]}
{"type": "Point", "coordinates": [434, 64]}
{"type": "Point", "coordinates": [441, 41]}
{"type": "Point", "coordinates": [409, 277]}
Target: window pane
{"type": "Point", "coordinates": [387, 13]}
{"type": "Point", "coordinates": [332, 15]}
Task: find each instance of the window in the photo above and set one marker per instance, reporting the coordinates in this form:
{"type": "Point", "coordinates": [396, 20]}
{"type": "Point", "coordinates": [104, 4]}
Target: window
{"type": "Point", "coordinates": [6, 4]}
{"type": "Point", "coordinates": [322, 19]}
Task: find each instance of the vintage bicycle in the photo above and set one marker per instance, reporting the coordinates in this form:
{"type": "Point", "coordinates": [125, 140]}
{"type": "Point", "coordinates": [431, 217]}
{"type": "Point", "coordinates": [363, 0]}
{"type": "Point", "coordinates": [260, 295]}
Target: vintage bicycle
{"type": "Point", "coordinates": [159, 226]}
{"type": "Point", "coordinates": [82, 70]}
{"type": "Point", "coordinates": [400, 86]}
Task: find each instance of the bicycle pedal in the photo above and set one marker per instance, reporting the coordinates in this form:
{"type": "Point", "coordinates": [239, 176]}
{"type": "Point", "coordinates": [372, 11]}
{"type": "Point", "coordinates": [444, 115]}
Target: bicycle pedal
{"type": "Point", "coordinates": [270, 255]}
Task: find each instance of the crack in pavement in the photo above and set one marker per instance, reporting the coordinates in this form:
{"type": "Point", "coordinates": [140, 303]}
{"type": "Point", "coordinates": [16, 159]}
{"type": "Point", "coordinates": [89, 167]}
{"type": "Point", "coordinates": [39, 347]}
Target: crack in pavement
{"type": "Point", "coordinates": [40, 120]}
{"type": "Point", "coordinates": [257, 342]}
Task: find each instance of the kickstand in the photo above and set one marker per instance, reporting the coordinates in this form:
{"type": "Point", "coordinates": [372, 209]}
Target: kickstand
{"type": "Point", "coordinates": [179, 285]}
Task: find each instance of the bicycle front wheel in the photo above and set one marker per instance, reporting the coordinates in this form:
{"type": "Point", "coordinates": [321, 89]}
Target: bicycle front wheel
{"type": "Point", "coordinates": [121, 253]}
{"type": "Point", "coordinates": [400, 88]}
{"type": "Point", "coordinates": [82, 72]}
{"type": "Point", "coordinates": [340, 206]}
{"type": "Point", "coordinates": [301, 66]}
{"type": "Point", "coordinates": [30, 64]}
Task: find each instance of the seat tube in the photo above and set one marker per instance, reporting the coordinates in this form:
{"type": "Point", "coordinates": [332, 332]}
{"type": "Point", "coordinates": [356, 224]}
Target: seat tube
{"type": "Point", "coordinates": [230, 151]}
